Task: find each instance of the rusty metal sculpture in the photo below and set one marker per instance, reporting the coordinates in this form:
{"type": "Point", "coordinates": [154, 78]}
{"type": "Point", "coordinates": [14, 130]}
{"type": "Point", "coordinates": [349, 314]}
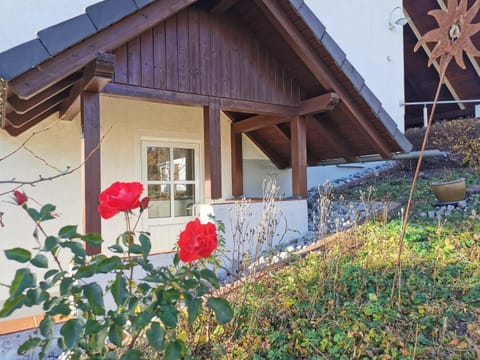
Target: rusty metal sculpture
{"type": "Point", "coordinates": [453, 38]}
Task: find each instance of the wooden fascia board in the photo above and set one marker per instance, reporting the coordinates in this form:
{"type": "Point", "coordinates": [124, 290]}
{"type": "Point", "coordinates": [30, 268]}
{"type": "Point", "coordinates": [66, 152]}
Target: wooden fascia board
{"type": "Point", "coordinates": [73, 59]}
{"type": "Point", "coordinates": [15, 131]}
{"type": "Point", "coordinates": [428, 53]}
{"type": "Point", "coordinates": [20, 120]}
{"type": "Point", "coordinates": [297, 42]}
{"type": "Point", "coordinates": [96, 75]}
{"type": "Point", "coordinates": [257, 122]}
{"type": "Point", "coordinates": [319, 104]}
{"type": "Point", "coordinates": [22, 106]}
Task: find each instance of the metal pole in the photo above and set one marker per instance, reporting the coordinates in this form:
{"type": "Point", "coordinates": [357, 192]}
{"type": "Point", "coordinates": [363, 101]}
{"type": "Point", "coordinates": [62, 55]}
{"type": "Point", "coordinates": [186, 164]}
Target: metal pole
{"type": "Point", "coordinates": [425, 115]}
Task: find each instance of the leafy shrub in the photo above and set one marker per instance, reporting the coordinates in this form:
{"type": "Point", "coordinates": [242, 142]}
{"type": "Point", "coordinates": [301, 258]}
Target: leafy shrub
{"type": "Point", "coordinates": [460, 138]}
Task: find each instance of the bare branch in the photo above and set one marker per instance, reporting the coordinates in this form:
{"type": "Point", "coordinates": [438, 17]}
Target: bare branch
{"type": "Point", "coordinates": [19, 147]}
{"type": "Point", "coordinates": [45, 161]}
{"type": "Point", "coordinates": [19, 183]}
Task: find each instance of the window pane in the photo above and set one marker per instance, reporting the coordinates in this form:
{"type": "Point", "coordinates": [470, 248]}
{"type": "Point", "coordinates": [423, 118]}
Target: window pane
{"type": "Point", "coordinates": [158, 163]}
{"type": "Point", "coordinates": [159, 201]}
{"type": "Point", "coordinates": [183, 164]}
{"type": "Point", "coordinates": [184, 199]}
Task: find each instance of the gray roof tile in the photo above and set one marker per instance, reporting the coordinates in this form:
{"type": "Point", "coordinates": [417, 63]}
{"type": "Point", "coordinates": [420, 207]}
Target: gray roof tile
{"type": "Point", "coordinates": [371, 99]}
{"type": "Point", "coordinates": [65, 34]}
{"type": "Point", "coordinates": [332, 47]}
{"type": "Point", "coordinates": [349, 70]}
{"type": "Point", "coordinates": [107, 12]}
{"type": "Point", "coordinates": [142, 3]}
{"type": "Point", "coordinates": [21, 58]}
{"type": "Point", "coordinates": [309, 17]}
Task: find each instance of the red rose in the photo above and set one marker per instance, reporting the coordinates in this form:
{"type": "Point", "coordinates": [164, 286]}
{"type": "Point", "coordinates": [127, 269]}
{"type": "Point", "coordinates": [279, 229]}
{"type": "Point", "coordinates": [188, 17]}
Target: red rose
{"type": "Point", "coordinates": [144, 203]}
{"type": "Point", "coordinates": [20, 198]}
{"type": "Point", "coordinates": [197, 241]}
{"type": "Point", "coordinates": [120, 196]}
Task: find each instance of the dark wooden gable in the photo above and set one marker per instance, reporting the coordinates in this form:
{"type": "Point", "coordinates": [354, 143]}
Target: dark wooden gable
{"type": "Point", "coordinates": [200, 53]}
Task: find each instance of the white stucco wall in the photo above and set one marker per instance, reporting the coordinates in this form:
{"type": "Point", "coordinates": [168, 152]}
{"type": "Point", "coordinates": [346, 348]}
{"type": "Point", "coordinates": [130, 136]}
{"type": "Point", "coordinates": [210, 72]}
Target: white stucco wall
{"type": "Point", "coordinates": [361, 29]}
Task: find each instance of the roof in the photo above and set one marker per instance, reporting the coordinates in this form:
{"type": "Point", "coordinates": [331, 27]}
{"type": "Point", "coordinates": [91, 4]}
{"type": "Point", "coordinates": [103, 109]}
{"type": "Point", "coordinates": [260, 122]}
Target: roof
{"type": "Point", "coordinates": [41, 75]}
{"type": "Point", "coordinates": [421, 81]}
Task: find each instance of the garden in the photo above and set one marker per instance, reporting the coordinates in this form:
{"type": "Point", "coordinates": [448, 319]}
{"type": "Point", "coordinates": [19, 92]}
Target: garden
{"type": "Point", "coordinates": [350, 295]}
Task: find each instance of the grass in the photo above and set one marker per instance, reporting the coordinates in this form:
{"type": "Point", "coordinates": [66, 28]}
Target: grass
{"type": "Point", "coordinates": [335, 303]}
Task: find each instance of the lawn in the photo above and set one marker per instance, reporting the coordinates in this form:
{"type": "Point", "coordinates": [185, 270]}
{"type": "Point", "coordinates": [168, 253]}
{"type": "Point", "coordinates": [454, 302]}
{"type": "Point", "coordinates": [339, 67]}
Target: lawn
{"type": "Point", "coordinates": [337, 303]}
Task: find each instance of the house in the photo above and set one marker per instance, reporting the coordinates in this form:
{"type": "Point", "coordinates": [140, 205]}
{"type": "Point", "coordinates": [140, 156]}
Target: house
{"type": "Point", "coordinates": [174, 94]}
{"type": "Point", "coordinates": [460, 93]}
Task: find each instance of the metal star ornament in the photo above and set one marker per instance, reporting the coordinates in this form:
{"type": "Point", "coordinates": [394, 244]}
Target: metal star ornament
{"type": "Point", "coordinates": [453, 35]}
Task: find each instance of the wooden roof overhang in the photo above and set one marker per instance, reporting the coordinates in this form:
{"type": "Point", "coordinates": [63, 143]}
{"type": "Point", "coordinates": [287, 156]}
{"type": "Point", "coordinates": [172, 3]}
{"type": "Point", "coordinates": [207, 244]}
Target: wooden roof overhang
{"type": "Point", "coordinates": [421, 81]}
{"type": "Point", "coordinates": [294, 69]}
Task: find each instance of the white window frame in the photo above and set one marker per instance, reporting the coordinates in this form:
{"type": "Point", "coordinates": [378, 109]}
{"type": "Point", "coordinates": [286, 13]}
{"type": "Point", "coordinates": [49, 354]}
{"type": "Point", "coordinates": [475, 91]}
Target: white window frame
{"type": "Point", "coordinates": [171, 144]}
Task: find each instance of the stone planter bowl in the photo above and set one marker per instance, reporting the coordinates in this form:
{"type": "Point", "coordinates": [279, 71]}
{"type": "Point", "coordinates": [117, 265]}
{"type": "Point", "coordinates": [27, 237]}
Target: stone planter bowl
{"type": "Point", "coordinates": [449, 191]}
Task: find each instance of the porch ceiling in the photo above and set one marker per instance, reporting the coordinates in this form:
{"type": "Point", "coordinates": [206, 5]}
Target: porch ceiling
{"type": "Point", "coordinates": [344, 118]}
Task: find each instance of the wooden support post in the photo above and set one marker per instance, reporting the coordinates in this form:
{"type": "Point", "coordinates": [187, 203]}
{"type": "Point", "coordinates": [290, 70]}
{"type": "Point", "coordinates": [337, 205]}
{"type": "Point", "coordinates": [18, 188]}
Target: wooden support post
{"type": "Point", "coordinates": [91, 174]}
{"type": "Point", "coordinates": [237, 162]}
{"type": "Point", "coordinates": [213, 150]}
{"type": "Point", "coordinates": [298, 130]}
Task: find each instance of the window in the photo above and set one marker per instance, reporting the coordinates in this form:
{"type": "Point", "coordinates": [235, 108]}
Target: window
{"type": "Point", "coordinates": [171, 176]}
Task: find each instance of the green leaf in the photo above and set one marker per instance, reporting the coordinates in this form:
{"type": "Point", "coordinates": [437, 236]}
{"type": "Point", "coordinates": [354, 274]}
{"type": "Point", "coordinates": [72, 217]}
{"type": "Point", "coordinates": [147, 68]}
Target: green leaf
{"type": "Point", "coordinates": [85, 271]}
{"type": "Point", "coordinates": [174, 350]}
{"type": "Point", "coordinates": [115, 334]}
{"type": "Point", "coordinates": [46, 326]}
{"type": "Point", "coordinates": [35, 297]}
{"type": "Point", "coordinates": [210, 276]}
{"type": "Point", "coordinates": [94, 294]}
{"type": "Point", "coordinates": [109, 264]}
{"type": "Point", "coordinates": [98, 339]}
{"type": "Point", "coordinates": [119, 290]}
{"type": "Point", "coordinates": [18, 254]}
{"type": "Point", "coordinates": [12, 304]}
{"type": "Point", "coordinates": [34, 214]}
{"type": "Point", "coordinates": [50, 273]}
{"type": "Point", "coordinates": [155, 336]}
{"type": "Point", "coordinates": [116, 248]}
{"type": "Point", "coordinates": [62, 308]}
{"type": "Point", "coordinates": [23, 279]}
{"type": "Point", "coordinates": [29, 345]}
{"type": "Point", "coordinates": [68, 232]}
{"type": "Point", "coordinates": [221, 308]}
{"type": "Point", "coordinates": [194, 307]}
{"type": "Point", "coordinates": [46, 212]}
{"type": "Point", "coordinates": [93, 239]}
{"type": "Point", "coordinates": [66, 285]}
{"type": "Point", "coordinates": [142, 320]}
{"type": "Point", "coordinates": [135, 249]}
{"type": "Point", "coordinates": [76, 247]}
{"type": "Point", "coordinates": [146, 244]}
{"type": "Point", "coordinates": [168, 315]}
{"type": "Point", "coordinates": [92, 327]}
{"type": "Point", "coordinates": [50, 243]}
{"type": "Point", "coordinates": [72, 332]}
{"type": "Point", "coordinates": [40, 261]}
{"type": "Point", "coordinates": [132, 354]}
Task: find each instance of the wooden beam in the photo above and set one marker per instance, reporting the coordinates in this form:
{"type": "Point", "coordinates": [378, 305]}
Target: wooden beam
{"type": "Point", "coordinates": [15, 131]}
{"type": "Point", "coordinates": [298, 128]}
{"type": "Point", "coordinates": [213, 150]}
{"type": "Point", "coordinates": [257, 122]}
{"type": "Point", "coordinates": [222, 6]}
{"type": "Point", "coordinates": [310, 58]}
{"type": "Point", "coordinates": [237, 162]}
{"type": "Point", "coordinates": [435, 63]}
{"type": "Point", "coordinates": [319, 104]}
{"type": "Point", "coordinates": [67, 62]}
{"type": "Point", "coordinates": [255, 107]}
{"type": "Point", "coordinates": [91, 171]}
{"type": "Point", "coordinates": [3, 103]}
{"type": "Point", "coordinates": [96, 75]}
{"type": "Point", "coordinates": [22, 106]}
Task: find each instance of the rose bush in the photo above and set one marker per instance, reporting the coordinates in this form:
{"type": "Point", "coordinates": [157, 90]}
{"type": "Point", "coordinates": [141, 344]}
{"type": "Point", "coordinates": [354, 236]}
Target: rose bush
{"type": "Point", "coordinates": [144, 307]}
